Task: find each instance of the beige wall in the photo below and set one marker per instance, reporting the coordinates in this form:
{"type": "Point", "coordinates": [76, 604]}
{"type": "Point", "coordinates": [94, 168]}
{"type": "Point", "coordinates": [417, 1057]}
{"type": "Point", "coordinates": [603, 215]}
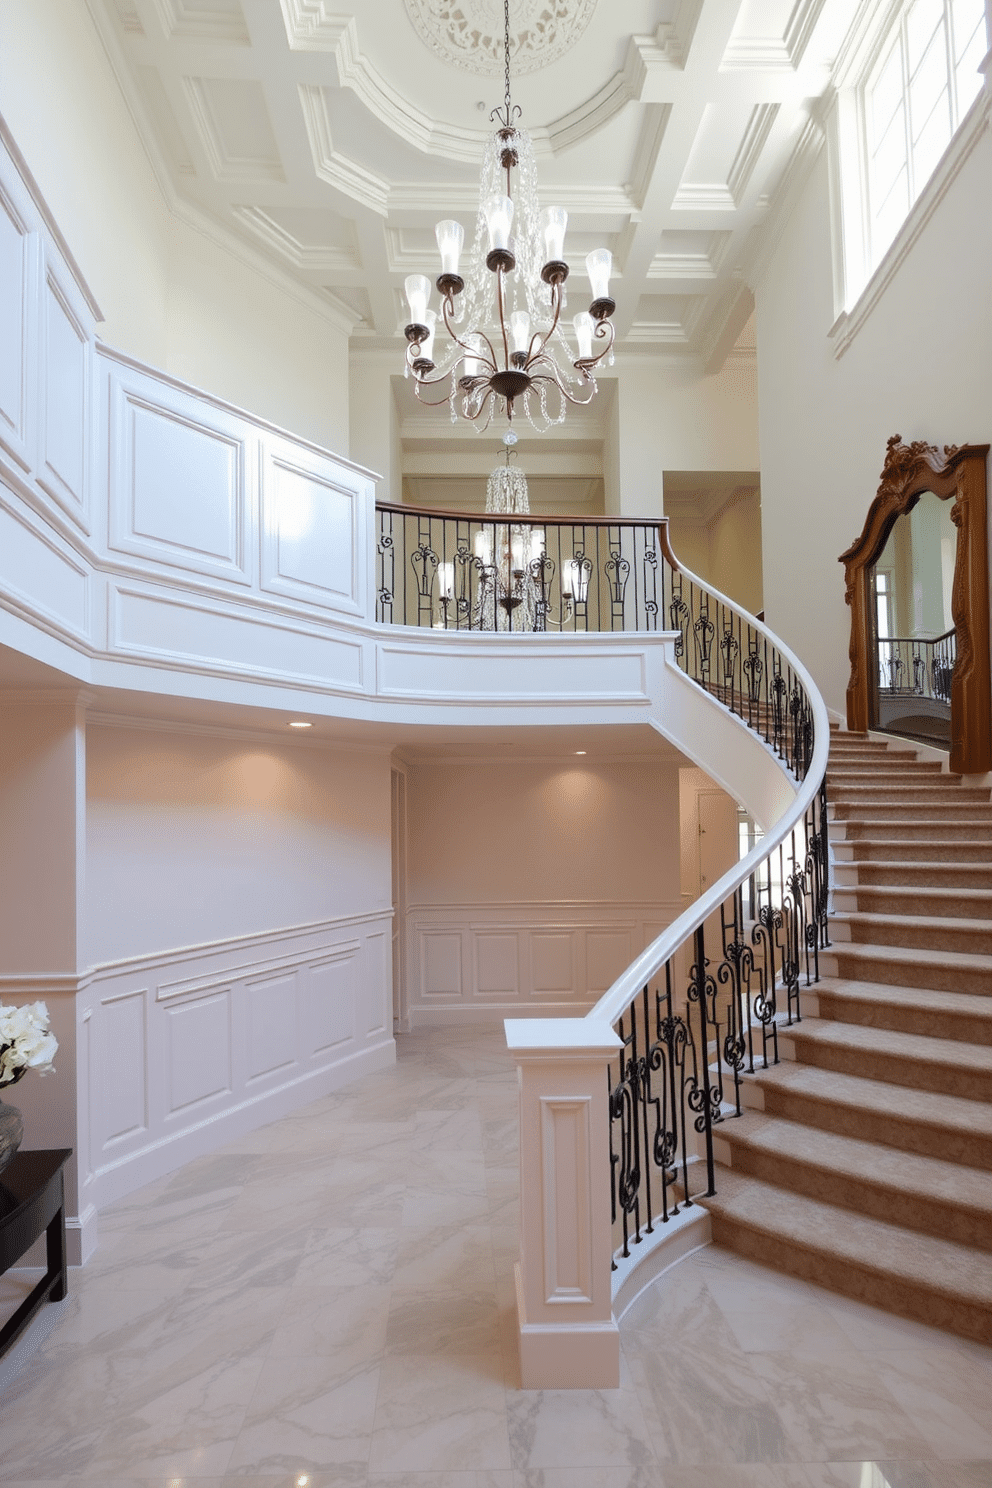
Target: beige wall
{"type": "Point", "coordinates": [677, 418]}
{"type": "Point", "coordinates": [173, 295]}
{"type": "Point", "coordinates": [560, 830]}
{"type": "Point", "coordinates": [725, 550]}
{"type": "Point", "coordinates": [919, 366]}
{"type": "Point", "coordinates": [192, 838]}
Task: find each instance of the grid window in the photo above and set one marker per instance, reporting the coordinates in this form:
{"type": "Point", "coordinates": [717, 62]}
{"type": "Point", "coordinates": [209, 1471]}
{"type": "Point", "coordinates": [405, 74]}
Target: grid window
{"type": "Point", "coordinates": [922, 85]}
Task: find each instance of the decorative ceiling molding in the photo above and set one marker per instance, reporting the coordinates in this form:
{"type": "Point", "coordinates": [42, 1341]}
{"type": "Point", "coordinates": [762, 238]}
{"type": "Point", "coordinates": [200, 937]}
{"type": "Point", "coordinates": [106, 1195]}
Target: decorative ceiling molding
{"type": "Point", "coordinates": [336, 169]}
{"type": "Point", "coordinates": [656, 117]}
{"type": "Point", "coordinates": [325, 259]}
{"type": "Point", "coordinates": [759, 126]}
{"type": "Point", "coordinates": [204, 110]}
{"type": "Point", "coordinates": [184, 18]}
{"type": "Point", "coordinates": [468, 34]}
{"type": "Point", "coordinates": [698, 263]}
{"type": "Point", "coordinates": [775, 53]}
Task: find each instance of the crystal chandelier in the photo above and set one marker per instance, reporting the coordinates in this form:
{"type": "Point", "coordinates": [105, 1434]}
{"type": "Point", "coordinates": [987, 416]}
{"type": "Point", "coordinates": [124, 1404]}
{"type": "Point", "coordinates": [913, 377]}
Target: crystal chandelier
{"type": "Point", "coordinates": [507, 343]}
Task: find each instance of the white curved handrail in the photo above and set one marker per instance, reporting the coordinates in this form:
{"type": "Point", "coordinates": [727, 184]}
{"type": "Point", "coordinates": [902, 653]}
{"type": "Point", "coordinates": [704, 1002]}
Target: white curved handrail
{"type": "Point", "coordinates": [617, 999]}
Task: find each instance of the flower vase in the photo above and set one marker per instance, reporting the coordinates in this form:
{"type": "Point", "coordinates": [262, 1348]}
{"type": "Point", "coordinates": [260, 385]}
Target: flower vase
{"type": "Point", "coordinates": [11, 1132]}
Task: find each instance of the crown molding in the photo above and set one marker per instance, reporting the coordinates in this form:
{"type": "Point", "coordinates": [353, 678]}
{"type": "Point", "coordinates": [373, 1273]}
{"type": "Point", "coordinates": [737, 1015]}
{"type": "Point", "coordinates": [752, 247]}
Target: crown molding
{"type": "Point", "coordinates": [186, 211]}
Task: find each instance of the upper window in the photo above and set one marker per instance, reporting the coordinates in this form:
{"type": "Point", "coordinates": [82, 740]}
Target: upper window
{"type": "Point", "coordinates": [924, 81]}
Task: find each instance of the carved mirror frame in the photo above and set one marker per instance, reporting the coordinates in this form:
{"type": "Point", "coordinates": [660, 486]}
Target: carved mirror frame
{"type": "Point", "coordinates": [958, 472]}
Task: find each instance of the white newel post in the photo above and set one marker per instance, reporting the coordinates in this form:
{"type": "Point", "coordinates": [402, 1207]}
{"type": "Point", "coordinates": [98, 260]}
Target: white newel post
{"type": "Point", "coordinates": [568, 1337]}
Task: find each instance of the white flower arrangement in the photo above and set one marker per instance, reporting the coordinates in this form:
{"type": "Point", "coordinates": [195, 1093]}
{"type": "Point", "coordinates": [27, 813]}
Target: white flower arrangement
{"type": "Point", "coordinates": [26, 1042]}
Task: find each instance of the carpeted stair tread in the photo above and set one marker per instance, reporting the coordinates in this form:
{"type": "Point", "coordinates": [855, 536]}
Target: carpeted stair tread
{"type": "Point", "coordinates": [864, 1175]}
{"type": "Point", "coordinates": [848, 1102]}
{"type": "Point", "coordinates": [940, 970]}
{"type": "Point", "coordinates": [907, 830]}
{"type": "Point", "coordinates": [936, 1281]}
{"type": "Point", "coordinates": [898, 791]}
{"type": "Point", "coordinates": [929, 933]}
{"type": "Point", "coordinates": [825, 1033]}
{"type": "Point", "coordinates": [900, 1007]}
{"type": "Point", "coordinates": [940, 899]}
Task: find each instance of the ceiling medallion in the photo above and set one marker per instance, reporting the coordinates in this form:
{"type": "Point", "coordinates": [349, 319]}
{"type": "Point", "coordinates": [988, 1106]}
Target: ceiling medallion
{"type": "Point", "coordinates": [469, 33]}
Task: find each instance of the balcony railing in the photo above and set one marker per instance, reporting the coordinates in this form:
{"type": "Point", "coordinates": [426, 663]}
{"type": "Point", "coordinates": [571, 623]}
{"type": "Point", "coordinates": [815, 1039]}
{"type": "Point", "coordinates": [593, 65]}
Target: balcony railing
{"type": "Point", "coordinates": [909, 666]}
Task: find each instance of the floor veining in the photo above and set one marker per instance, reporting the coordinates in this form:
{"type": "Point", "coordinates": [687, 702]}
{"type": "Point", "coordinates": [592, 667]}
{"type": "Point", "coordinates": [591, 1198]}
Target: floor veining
{"type": "Point", "coordinates": [328, 1303]}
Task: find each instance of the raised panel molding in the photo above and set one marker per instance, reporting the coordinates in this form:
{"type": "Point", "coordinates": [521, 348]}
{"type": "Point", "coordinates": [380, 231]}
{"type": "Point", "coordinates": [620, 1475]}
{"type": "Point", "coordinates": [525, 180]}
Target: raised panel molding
{"type": "Point", "coordinates": [20, 254]}
{"type": "Point", "coordinates": [566, 1161]}
{"type": "Point", "coordinates": [313, 536]}
{"type": "Point", "coordinates": [67, 384]}
{"type": "Point", "coordinates": [169, 629]}
{"type": "Point", "coordinates": [466, 961]}
{"type": "Point", "coordinates": [190, 1048]}
{"type": "Point", "coordinates": [198, 1052]}
{"type": "Point", "coordinates": [272, 1035]}
{"type": "Point", "coordinates": [124, 1108]}
{"type": "Point", "coordinates": [38, 573]}
{"type": "Point", "coordinates": [178, 483]}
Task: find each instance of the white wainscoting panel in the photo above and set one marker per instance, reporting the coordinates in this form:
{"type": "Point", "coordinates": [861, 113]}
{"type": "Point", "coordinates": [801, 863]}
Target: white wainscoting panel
{"type": "Point", "coordinates": [20, 256]}
{"type": "Point", "coordinates": [197, 635]}
{"type": "Point", "coordinates": [314, 536]}
{"type": "Point", "coordinates": [68, 398]}
{"type": "Point", "coordinates": [178, 481]}
{"type": "Point", "coordinates": [187, 1050]}
{"type": "Point", "coordinates": [40, 570]}
{"type": "Point", "coordinates": [485, 962]}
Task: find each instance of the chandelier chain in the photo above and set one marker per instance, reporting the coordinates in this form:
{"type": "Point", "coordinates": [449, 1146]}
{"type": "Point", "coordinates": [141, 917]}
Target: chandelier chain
{"type": "Point", "coordinates": [506, 57]}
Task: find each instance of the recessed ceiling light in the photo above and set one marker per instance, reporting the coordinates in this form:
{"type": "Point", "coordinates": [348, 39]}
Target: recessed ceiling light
{"type": "Point", "coordinates": [580, 751]}
{"type": "Point", "coordinates": [299, 723]}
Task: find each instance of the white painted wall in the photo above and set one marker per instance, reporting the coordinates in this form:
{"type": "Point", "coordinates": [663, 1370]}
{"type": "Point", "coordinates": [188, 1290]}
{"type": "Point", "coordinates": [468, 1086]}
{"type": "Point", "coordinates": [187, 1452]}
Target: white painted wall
{"type": "Point", "coordinates": [534, 882]}
{"type": "Point", "coordinates": [171, 293]}
{"type": "Point", "coordinates": [194, 838]}
{"type": "Point", "coordinates": [919, 366]}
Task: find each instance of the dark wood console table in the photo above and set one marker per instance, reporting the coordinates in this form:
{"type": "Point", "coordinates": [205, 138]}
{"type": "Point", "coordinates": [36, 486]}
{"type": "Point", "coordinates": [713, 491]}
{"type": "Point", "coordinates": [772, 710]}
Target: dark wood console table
{"type": "Point", "coordinates": [32, 1200]}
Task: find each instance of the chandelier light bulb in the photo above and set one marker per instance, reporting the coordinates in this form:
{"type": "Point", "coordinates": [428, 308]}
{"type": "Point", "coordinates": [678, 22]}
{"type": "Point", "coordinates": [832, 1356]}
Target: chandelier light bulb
{"type": "Point", "coordinates": [520, 330]}
{"type": "Point", "coordinates": [583, 325]}
{"type": "Point", "coordinates": [599, 266]}
{"type": "Point", "coordinates": [446, 580]}
{"type": "Point", "coordinates": [552, 223]}
{"type": "Point", "coordinates": [484, 548]}
{"type": "Point", "coordinates": [427, 347]}
{"type": "Point", "coordinates": [498, 212]}
{"type": "Point", "coordinates": [418, 292]}
{"type": "Point", "coordinates": [450, 240]}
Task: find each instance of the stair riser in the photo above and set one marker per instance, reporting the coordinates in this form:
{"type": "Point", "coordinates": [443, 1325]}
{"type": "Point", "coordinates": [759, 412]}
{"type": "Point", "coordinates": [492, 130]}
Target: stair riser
{"type": "Point", "coordinates": [928, 1138]}
{"type": "Point", "coordinates": [932, 876]}
{"type": "Point", "coordinates": [875, 850]}
{"type": "Point", "coordinates": [962, 1027]}
{"type": "Point", "coordinates": [925, 812]}
{"type": "Point", "coordinates": [910, 830]}
{"type": "Point", "coordinates": [890, 1067]}
{"type": "Point", "coordinates": [864, 899]}
{"type": "Point", "coordinates": [862, 1282]}
{"type": "Point", "coordinates": [913, 1211]}
{"type": "Point", "coordinates": [930, 975]}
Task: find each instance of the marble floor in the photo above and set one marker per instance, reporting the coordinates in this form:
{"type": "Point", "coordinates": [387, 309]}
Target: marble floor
{"type": "Point", "coordinates": [327, 1303]}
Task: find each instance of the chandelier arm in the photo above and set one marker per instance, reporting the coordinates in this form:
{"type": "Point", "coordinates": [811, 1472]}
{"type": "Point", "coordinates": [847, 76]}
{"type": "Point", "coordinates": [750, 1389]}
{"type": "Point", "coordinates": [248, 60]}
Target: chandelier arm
{"type": "Point", "coordinates": [545, 337]}
{"type": "Point", "coordinates": [432, 402]}
{"type": "Point", "coordinates": [468, 350]}
{"type": "Point", "coordinates": [579, 402]}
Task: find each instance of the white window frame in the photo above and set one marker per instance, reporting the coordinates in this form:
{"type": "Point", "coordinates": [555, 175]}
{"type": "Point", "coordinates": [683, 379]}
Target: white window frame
{"type": "Point", "coordinates": [858, 282]}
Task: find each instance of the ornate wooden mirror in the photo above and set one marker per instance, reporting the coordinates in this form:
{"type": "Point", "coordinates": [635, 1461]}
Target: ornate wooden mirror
{"type": "Point", "coordinates": [958, 473]}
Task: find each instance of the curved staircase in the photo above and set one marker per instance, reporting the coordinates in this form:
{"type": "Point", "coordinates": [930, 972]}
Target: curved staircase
{"type": "Point", "coordinates": [864, 1162]}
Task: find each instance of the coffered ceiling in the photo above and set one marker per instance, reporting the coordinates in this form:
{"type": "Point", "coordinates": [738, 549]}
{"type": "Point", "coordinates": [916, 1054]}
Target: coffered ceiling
{"type": "Point", "coordinates": [330, 135]}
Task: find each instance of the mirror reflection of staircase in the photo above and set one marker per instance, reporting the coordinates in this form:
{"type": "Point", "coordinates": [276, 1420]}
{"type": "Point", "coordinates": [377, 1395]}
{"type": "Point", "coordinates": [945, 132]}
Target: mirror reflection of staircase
{"type": "Point", "coordinates": [865, 1160]}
